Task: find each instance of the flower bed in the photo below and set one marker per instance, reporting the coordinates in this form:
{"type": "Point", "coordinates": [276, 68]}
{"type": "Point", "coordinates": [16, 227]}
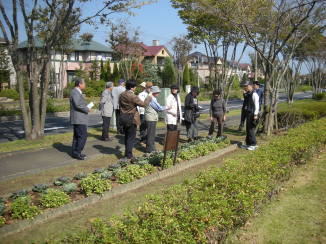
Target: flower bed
{"type": "Point", "coordinates": [27, 204]}
{"type": "Point", "coordinates": [205, 209]}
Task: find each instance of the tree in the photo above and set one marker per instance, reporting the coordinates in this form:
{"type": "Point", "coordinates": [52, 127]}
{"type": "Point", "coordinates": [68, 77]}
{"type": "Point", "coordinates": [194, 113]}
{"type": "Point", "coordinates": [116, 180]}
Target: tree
{"type": "Point", "coordinates": [169, 76]}
{"type": "Point", "coordinates": [193, 77]}
{"type": "Point", "coordinates": [186, 77]}
{"type": "Point", "coordinates": [115, 74]}
{"type": "Point", "coordinates": [151, 73]}
{"type": "Point", "coordinates": [269, 27]}
{"type": "Point", "coordinates": [95, 71]}
{"type": "Point", "coordinates": [181, 47]}
{"type": "Point", "coordinates": [4, 67]}
{"type": "Point", "coordinates": [52, 23]}
{"type": "Point", "coordinates": [128, 50]}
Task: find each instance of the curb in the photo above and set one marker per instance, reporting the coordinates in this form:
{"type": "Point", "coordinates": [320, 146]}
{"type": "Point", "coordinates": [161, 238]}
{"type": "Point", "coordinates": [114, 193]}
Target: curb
{"type": "Point", "coordinates": [53, 213]}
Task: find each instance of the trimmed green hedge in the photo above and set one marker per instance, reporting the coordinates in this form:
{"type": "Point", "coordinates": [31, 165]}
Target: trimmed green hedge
{"type": "Point", "coordinates": [291, 115]}
{"type": "Point", "coordinates": [207, 208]}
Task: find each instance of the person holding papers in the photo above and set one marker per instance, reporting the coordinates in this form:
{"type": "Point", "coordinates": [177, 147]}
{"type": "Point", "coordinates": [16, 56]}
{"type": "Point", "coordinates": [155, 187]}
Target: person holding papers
{"type": "Point", "coordinates": [79, 110]}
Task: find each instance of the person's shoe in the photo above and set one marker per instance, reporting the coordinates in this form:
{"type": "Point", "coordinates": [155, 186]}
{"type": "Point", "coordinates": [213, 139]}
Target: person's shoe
{"type": "Point", "coordinates": [79, 157]}
{"type": "Point", "coordinates": [251, 148]}
{"type": "Point", "coordinates": [244, 146]}
{"type": "Point", "coordinates": [190, 140]}
{"type": "Point", "coordinates": [83, 155]}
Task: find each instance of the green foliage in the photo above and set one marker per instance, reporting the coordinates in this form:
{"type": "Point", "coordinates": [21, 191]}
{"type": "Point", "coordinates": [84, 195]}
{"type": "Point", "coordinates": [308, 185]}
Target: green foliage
{"type": "Point", "coordinates": [70, 187]}
{"type": "Point", "coordinates": [10, 93]}
{"type": "Point", "coordinates": [186, 77]}
{"type": "Point", "coordinates": [22, 208]}
{"type": "Point", "coordinates": [193, 77]}
{"type": "Point", "coordinates": [106, 174]}
{"type": "Point", "coordinates": [2, 206]}
{"type": "Point", "coordinates": [291, 115]}
{"type": "Point", "coordinates": [53, 198]}
{"type": "Point", "coordinates": [52, 107]}
{"type": "Point", "coordinates": [151, 73]}
{"type": "Point", "coordinates": [168, 73]}
{"type": "Point", "coordinates": [62, 180]}
{"type": "Point", "coordinates": [94, 184]}
{"type": "Point", "coordinates": [40, 188]}
{"type": "Point", "coordinates": [2, 221]}
{"type": "Point", "coordinates": [130, 173]}
{"type": "Point", "coordinates": [206, 208]}
{"type": "Point", "coordinates": [20, 193]}
{"type": "Point", "coordinates": [94, 88]}
{"type": "Point", "coordinates": [319, 96]}
{"type": "Point", "coordinates": [80, 176]}
{"type": "Point", "coordinates": [115, 74]}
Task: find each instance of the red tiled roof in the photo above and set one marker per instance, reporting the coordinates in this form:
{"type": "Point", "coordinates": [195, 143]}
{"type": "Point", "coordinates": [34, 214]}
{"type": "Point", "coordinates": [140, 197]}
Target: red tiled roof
{"type": "Point", "coordinates": [152, 50]}
{"type": "Point", "coordinates": [148, 51]}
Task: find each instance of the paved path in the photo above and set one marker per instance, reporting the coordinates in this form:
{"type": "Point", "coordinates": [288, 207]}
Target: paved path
{"type": "Point", "coordinates": [21, 163]}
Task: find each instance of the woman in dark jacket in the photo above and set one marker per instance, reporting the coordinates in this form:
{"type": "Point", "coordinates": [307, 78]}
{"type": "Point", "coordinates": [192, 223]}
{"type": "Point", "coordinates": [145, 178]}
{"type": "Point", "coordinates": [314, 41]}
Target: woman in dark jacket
{"type": "Point", "coordinates": [217, 113]}
{"type": "Point", "coordinates": [192, 113]}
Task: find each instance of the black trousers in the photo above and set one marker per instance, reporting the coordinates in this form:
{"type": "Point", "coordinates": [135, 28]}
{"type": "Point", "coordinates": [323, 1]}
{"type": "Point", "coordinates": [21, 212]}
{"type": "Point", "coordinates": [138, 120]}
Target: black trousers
{"type": "Point", "coordinates": [243, 116]}
{"type": "Point", "coordinates": [250, 129]}
{"type": "Point", "coordinates": [105, 127]}
{"type": "Point", "coordinates": [219, 120]}
{"type": "Point", "coordinates": [151, 134]}
{"type": "Point", "coordinates": [117, 119]}
{"type": "Point", "coordinates": [171, 127]}
{"type": "Point", "coordinates": [79, 139]}
{"type": "Point", "coordinates": [130, 136]}
{"type": "Point", "coordinates": [143, 128]}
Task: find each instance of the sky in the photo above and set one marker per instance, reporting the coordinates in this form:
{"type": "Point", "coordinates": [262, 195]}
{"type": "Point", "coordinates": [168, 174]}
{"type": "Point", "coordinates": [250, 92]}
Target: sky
{"type": "Point", "coordinates": [157, 21]}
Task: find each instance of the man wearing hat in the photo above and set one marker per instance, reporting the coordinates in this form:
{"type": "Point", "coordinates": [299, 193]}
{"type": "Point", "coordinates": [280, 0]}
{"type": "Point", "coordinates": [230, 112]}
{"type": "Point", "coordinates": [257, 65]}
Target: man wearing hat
{"type": "Point", "coordinates": [146, 86]}
{"type": "Point", "coordinates": [151, 117]}
{"type": "Point", "coordinates": [174, 114]}
{"type": "Point", "coordinates": [106, 108]}
{"type": "Point", "coordinates": [251, 109]}
{"type": "Point", "coordinates": [116, 92]}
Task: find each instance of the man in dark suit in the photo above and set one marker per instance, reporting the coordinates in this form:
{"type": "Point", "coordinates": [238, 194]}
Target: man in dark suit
{"type": "Point", "coordinates": [79, 118]}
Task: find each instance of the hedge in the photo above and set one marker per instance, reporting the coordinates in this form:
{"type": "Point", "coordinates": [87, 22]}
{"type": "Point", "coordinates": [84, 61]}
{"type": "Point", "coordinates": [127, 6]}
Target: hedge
{"type": "Point", "coordinates": [206, 208]}
{"type": "Point", "coordinates": [291, 115]}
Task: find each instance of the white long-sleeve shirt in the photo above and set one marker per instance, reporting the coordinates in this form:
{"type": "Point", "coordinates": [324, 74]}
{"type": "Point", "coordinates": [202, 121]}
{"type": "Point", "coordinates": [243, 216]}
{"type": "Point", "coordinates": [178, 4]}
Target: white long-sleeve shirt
{"type": "Point", "coordinates": [255, 98]}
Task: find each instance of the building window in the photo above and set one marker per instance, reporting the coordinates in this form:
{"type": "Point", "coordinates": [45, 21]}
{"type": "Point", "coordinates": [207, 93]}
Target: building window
{"type": "Point", "coordinates": [70, 76]}
{"type": "Point", "coordinates": [76, 56]}
{"type": "Point", "coordinates": [163, 51]}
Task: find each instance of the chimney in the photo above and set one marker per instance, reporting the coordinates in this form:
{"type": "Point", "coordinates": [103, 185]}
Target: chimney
{"type": "Point", "coordinates": [156, 42]}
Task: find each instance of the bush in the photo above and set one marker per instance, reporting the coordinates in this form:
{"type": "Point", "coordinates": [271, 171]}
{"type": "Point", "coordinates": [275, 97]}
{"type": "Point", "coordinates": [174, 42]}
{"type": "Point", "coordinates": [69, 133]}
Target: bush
{"type": "Point", "coordinates": [319, 96]}
{"type": "Point", "coordinates": [130, 173]}
{"type": "Point", "coordinates": [62, 180]}
{"type": "Point", "coordinates": [2, 221]}
{"type": "Point", "coordinates": [206, 208]}
{"type": "Point", "coordinates": [53, 198]}
{"type": "Point", "coordinates": [291, 115]}
{"type": "Point", "coordinates": [21, 193]}
{"type": "Point", "coordinates": [94, 184]}
{"type": "Point", "coordinates": [22, 208]}
{"type": "Point", "coordinates": [69, 187]}
{"type": "Point", "coordinates": [80, 176]}
{"type": "Point", "coordinates": [40, 188]}
{"type": "Point", "coordinates": [10, 93]}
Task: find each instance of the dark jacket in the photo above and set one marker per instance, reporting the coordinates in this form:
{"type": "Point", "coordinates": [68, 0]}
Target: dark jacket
{"type": "Point", "coordinates": [217, 107]}
{"type": "Point", "coordinates": [128, 103]}
{"type": "Point", "coordinates": [191, 109]}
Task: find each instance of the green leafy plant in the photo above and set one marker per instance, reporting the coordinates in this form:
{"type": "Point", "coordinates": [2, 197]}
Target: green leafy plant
{"type": "Point", "coordinates": [98, 171]}
{"type": "Point", "coordinates": [206, 208]}
{"type": "Point", "coordinates": [53, 198]}
{"type": "Point", "coordinates": [40, 188]}
{"type": "Point", "coordinates": [130, 173]}
{"type": "Point", "coordinates": [20, 193]}
{"type": "Point", "coordinates": [69, 187]}
{"type": "Point", "coordinates": [106, 175]}
{"type": "Point", "coordinates": [22, 208]}
{"type": "Point", "coordinates": [62, 180]}
{"type": "Point", "coordinates": [94, 184]}
{"type": "Point", "coordinates": [2, 221]}
{"type": "Point", "coordinates": [80, 176]}
{"type": "Point", "coordinates": [2, 206]}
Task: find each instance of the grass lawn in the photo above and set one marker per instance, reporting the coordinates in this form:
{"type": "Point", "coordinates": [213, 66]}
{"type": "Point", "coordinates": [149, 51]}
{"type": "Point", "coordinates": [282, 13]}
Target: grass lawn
{"type": "Point", "coordinates": [297, 215]}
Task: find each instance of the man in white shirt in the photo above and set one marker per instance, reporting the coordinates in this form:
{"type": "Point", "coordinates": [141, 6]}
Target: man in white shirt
{"type": "Point", "coordinates": [251, 109]}
{"type": "Point", "coordinates": [142, 96]}
{"type": "Point", "coordinates": [116, 92]}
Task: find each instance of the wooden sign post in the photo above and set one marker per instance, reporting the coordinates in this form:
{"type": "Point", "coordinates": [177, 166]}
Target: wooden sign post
{"type": "Point", "coordinates": [171, 144]}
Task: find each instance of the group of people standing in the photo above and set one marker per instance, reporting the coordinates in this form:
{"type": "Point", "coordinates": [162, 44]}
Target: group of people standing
{"type": "Point", "coordinates": [132, 111]}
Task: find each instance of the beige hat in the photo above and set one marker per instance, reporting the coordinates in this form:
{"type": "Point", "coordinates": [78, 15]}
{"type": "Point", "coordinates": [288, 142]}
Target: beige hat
{"type": "Point", "coordinates": [149, 84]}
{"type": "Point", "coordinates": [143, 84]}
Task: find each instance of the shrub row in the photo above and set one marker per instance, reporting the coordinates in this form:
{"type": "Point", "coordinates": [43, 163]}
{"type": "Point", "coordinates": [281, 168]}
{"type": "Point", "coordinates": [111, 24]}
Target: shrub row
{"type": "Point", "coordinates": [291, 115]}
{"type": "Point", "coordinates": [20, 204]}
{"type": "Point", "coordinates": [206, 208]}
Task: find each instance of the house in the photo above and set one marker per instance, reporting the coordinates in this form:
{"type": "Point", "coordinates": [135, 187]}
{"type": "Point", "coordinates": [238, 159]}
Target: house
{"type": "Point", "coordinates": [7, 71]}
{"type": "Point", "coordinates": [79, 55]}
{"type": "Point", "coordinates": [154, 54]}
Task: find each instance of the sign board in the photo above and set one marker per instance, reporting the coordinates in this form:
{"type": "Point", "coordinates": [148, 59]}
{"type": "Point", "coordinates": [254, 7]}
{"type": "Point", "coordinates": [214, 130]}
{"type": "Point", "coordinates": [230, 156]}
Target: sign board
{"type": "Point", "coordinates": [171, 144]}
